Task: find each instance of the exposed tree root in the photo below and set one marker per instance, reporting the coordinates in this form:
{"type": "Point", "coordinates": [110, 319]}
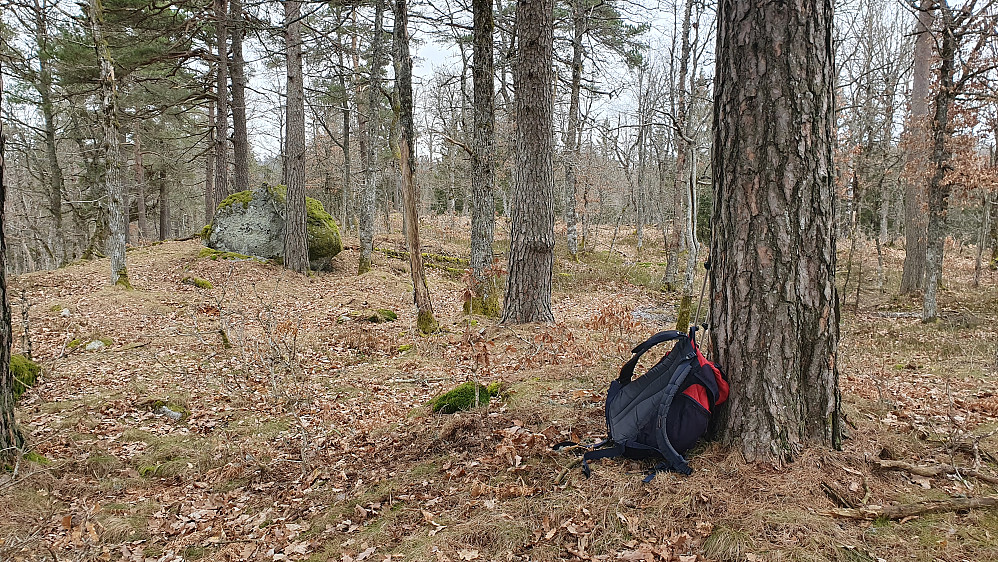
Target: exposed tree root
{"type": "Point", "coordinates": [931, 471]}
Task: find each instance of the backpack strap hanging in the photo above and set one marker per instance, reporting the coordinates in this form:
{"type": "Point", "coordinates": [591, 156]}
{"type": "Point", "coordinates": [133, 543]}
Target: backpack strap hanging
{"type": "Point", "coordinates": [627, 371]}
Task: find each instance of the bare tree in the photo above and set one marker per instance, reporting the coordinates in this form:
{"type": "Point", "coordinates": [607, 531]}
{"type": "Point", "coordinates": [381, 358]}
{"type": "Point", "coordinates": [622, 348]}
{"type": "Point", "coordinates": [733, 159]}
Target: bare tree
{"type": "Point", "coordinates": [110, 150]}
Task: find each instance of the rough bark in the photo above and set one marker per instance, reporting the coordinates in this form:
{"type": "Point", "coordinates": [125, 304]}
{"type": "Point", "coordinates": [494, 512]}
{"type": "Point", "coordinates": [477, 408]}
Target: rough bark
{"type": "Point", "coordinates": [110, 148]}
{"type": "Point", "coordinates": [774, 313]}
{"type": "Point", "coordinates": [939, 188]}
{"type": "Point", "coordinates": [365, 215]}
{"type": "Point", "coordinates": [11, 438]}
{"type": "Point", "coordinates": [240, 138]}
{"type": "Point", "coordinates": [407, 166]}
{"type": "Point", "coordinates": [209, 168]}
{"type": "Point", "coordinates": [571, 139]}
{"type": "Point", "coordinates": [222, 105]}
{"type": "Point", "coordinates": [915, 220]}
{"type": "Point", "coordinates": [483, 221]}
{"type": "Point", "coordinates": [686, 175]}
{"type": "Point", "coordinates": [531, 253]}
{"type": "Point", "coordinates": [295, 241]}
{"type": "Point", "coordinates": [164, 206]}
{"type": "Point", "coordinates": [140, 185]}
{"type": "Point", "coordinates": [56, 183]}
{"type": "Point", "coordinates": [347, 179]}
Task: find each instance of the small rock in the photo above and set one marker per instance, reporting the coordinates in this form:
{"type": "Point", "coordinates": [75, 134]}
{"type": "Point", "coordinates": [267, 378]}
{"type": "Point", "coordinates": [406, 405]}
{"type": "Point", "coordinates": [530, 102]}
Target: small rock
{"type": "Point", "coordinates": [65, 313]}
{"type": "Point", "coordinates": [95, 345]}
{"type": "Point", "coordinates": [173, 415]}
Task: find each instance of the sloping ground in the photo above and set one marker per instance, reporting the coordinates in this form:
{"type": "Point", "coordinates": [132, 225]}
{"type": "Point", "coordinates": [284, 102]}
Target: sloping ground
{"type": "Point", "coordinates": [304, 432]}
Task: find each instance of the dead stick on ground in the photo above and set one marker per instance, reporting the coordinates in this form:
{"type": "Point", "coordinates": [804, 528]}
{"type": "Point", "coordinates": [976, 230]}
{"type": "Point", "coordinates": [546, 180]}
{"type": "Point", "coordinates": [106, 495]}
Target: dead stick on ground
{"type": "Point", "coordinates": [930, 471]}
{"type": "Point", "coordinates": [912, 509]}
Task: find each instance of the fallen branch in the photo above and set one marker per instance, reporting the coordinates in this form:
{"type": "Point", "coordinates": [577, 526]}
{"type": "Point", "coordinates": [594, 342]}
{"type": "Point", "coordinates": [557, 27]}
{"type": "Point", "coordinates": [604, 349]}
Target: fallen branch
{"type": "Point", "coordinates": [932, 471]}
{"type": "Point", "coordinates": [902, 511]}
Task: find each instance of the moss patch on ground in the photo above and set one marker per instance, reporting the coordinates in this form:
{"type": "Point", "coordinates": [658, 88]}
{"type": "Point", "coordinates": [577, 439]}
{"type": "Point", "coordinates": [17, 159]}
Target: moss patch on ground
{"type": "Point", "coordinates": [25, 373]}
{"type": "Point", "coordinates": [462, 397]}
{"type": "Point", "coordinates": [197, 282]}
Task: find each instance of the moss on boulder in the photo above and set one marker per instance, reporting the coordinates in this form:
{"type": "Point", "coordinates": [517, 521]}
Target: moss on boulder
{"type": "Point", "coordinates": [252, 223]}
{"type": "Point", "coordinates": [25, 373]}
{"type": "Point", "coordinates": [462, 397]}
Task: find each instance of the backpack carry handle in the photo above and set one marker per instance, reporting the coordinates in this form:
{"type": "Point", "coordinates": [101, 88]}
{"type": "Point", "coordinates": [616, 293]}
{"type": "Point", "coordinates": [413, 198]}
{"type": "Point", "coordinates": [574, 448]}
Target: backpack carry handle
{"type": "Point", "coordinates": [627, 371]}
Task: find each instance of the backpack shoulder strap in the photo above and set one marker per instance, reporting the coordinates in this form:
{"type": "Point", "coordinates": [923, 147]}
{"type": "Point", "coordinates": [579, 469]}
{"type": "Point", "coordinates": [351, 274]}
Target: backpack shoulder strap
{"type": "Point", "coordinates": [627, 371]}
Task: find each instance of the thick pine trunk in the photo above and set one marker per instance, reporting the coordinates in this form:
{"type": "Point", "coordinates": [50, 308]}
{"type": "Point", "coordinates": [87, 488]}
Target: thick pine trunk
{"type": "Point", "coordinates": [531, 252]}
{"type": "Point", "coordinates": [365, 215]}
{"type": "Point", "coordinates": [295, 241]}
{"type": "Point", "coordinates": [110, 149]}
{"type": "Point", "coordinates": [240, 138]}
{"type": "Point", "coordinates": [222, 104]}
{"type": "Point", "coordinates": [774, 314]}
{"type": "Point", "coordinates": [11, 439]}
{"type": "Point", "coordinates": [915, 219]}
{"type": "Point", "coordinates": [483, 220]}
{"type": "Point", "coordinates": [407, 166]}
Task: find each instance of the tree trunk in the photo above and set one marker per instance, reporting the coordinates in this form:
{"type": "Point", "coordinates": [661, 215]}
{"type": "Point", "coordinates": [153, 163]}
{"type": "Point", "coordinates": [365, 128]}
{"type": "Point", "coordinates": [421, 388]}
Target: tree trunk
{"type": "Point", "coordinates": [571, 139]}
{"type": "Point", "coordinates": [684, 185]}
{"type": "Point", "coordinates": [110, 149]}
{"type": "Point", "coordinates": [915, 223]}
{"type": "Point", "coordinates": [140, 186]}
{"type": "Point", "coordinates": [295, 240]}
{"type": "Point", "coordinates": [939, 188]}
{"type": "Point", "coordinates": [11, 438]}
{"type": "Point", "coordinates": [222, 105]}
{"type": "Point", "coordinates": [365, 215]}
{"type": "Point", "coordinates": [347, 180]}
{"type": "Point", "coordinates": [209, 168]}
{"type": "Point", "coordinates": [531, 251]}
{"type": "Point", "coordinates": [45, 93]}
{"type": "Point", "coordinates": [483, 217]}
{"type": "Point", "coordinates": [425, 321]}
{"type": "Point", "coordinates": [240, 139]}
{"type": "Point", "coordinates": [774, 317]}
{"type": "Point", "coordinates": [164, 207]}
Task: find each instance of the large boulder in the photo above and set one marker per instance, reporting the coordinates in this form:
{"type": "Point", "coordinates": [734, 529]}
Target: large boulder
{"type": "Point", "coordinates": [251, 222]}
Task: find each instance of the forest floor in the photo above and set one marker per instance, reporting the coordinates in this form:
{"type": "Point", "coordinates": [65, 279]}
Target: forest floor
{"type": "Point", "coordinates": [304, 434]}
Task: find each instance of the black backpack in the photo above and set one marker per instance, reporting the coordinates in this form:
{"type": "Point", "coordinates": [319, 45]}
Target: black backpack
{"type": "Point", "coordinates": [664, 412]}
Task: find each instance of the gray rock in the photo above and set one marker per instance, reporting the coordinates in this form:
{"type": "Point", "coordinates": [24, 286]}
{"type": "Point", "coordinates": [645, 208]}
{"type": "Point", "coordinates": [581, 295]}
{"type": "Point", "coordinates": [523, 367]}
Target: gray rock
{"type": "Point", "coordinates": [95, 345]}
{"type": "Point", "coordinates": [252, 223]}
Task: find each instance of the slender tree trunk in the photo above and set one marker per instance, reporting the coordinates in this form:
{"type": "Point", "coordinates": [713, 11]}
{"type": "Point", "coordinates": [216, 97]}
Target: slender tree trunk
{"type": "Point", "coordinates": [483, 218]}
{"type": "Point", "coordinates": [361, 122]}
{"type": "Point", "coordinates": [164, 207]}
{"type": "Point", "coordinates": [939, 188]}
{"type": "Point", "coordinates": [681, 184]}
{"type": "Point", "coordinates": [11, 438]}
{"type": "Point", "coordinates": [295, 239]}
{"type": "Point", "coordinates": [407, 165]}
{"type": "Point", "coordinates": [222, 105]}
{"type": "Point", "coordinates": [366, 212]}
{"type": "Point", "coordinates": [531, 252]}
{"type": "Point", "coordinates": [140, 185]}
{"type": "Point", "coordinates": [915, 219]}
{"type": "Point", "coordinates": [774, 317]}
{"type": "Point", "coordinates": [571, 139]}
{"type": "Point", "coordinates": [982, 238]}
{"type": "Point", "coordinates": [209, 168]}
{"type": "Point", "coordinates": [110, 149]}
{"type": "Point", "coordinates": [240, 138]}
{"type": "Point", "coordinates": [45, 92]}
{"type": "Point", "coordinates": [347, 179]}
